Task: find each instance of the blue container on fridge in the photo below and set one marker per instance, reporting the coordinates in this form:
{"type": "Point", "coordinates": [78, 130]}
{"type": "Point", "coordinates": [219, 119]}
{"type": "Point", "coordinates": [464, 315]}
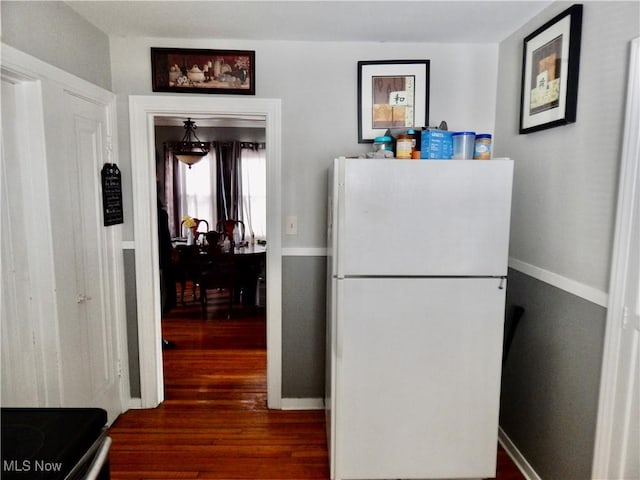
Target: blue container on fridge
{"type": "Point", "coordinates": [436, 144]}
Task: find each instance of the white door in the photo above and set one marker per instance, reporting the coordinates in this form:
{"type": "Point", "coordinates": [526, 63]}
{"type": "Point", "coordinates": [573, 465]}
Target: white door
{"type": "Point", "coordinates": [618, 442]}
{"type": "Point", "coordinates": [62, 302]}
{"type": "Point", "coordinates": [424, 218]}
{"type": "Point", "coordinates": [617, 449]}
{"type": "Point", "coordinates": [83, 256]}
{"type": "Point", "coordinates": [625, 453]}
{"type": "Point", "coordinates": [417, 377]}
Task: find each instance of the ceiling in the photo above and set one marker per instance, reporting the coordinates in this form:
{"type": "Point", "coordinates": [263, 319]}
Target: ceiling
{"type": "Point", "coordinates": [308, 20]}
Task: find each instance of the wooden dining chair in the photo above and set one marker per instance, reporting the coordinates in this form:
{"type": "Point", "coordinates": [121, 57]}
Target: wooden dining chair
{"type": "Point", "coordinates": [212, 238]}
{"type": "Point", "coordinates": [200, 229]}
{"type": "Point", "coordinates": [217, 271]}
{"type": "Point", "coordinates": [186, 269]}
{"type": "Point", "coordinates": [226, 228]}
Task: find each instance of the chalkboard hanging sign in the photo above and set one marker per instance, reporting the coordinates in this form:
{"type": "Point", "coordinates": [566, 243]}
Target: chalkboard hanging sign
{"type": "Point", "coordinates": [112, 194]}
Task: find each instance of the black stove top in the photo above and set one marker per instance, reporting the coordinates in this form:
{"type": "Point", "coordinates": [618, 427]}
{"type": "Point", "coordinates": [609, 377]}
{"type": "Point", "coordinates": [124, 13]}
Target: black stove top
{"type": "Point", "coordinates": [46, 443]}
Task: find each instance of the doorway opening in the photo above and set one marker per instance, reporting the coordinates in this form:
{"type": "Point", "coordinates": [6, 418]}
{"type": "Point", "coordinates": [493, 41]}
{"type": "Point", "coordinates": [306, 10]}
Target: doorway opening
{"type": "Point", "coordinates": [213, 299]}
{"type": "Point", "coordinates": [143, 112]}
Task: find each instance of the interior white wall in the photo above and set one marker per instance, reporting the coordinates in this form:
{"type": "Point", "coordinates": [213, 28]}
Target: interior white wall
{"type": "Point", "coordinates": [55, 33]}
{"type": "Point", "coordinates": [566, 177]}
{"type": "Point", "coordinates": [317, 84]}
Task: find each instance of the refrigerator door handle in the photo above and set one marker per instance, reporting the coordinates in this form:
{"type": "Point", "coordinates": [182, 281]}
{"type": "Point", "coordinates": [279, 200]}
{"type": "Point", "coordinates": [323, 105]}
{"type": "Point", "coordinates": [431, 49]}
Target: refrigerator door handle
{"type": "Point", "coordinates": [502, 281]}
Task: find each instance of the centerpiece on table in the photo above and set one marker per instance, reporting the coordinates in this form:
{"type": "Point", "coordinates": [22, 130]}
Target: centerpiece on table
{"type": "Point", "coordinates": [190, 224]}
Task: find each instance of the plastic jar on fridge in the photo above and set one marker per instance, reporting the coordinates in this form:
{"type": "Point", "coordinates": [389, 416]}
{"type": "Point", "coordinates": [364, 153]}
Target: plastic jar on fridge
{"type": "Point", "coordinates": [463, 143]}
{"type": "Point", "coordinates": [404, 146]}
{"type": "Point", "coordinates": [482, 148]}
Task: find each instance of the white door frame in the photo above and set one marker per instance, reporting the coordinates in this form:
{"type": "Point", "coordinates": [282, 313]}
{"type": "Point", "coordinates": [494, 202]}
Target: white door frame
{"type": "Point", "coordinates": [142, 110]}
{"type": "Point", "coordinates": [614, 411]}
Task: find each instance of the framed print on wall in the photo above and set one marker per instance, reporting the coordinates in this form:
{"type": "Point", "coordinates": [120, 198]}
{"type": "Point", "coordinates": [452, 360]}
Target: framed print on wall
{"type": "Point", "coordinates": [392, 94]}
{"type": "Point", "coordinates": [550, 67]}
{"type": "Point", "coordinates": [188, 70]}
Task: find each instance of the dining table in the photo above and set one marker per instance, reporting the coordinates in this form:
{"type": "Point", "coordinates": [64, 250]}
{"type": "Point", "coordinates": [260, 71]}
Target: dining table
{"type": "Point", "coordinates": [249, 262]}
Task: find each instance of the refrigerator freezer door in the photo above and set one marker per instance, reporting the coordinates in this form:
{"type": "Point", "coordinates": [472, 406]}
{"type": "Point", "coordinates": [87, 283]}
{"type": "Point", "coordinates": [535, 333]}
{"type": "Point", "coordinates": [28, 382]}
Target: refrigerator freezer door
{"type": "Point", "coordinates": [417, 378]}
{"type": "Point", "coordinates": [424, 218]}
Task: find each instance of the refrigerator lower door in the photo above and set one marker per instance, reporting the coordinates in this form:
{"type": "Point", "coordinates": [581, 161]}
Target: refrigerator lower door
{"type": "Point", "coordinates": [330, 367]}
{"type": "Point", "coordinates": [417, 378]}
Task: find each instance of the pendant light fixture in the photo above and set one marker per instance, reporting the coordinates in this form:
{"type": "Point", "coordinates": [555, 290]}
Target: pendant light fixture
{"type": "Point", "coordinates": [190, 150]}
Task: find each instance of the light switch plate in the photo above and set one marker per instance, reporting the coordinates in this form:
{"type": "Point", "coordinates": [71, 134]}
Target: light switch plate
{"type": "Point", "coordinates": [292, 225]}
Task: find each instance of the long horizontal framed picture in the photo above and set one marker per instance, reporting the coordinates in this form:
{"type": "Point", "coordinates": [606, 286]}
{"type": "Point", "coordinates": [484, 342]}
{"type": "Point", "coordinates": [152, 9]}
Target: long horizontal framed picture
{"type": "Point", "coordinates": [550, 68]}
{"type": "Point", "coordinates": [203, 71]}
{"type": "Point", "coordinates": [392, 94]}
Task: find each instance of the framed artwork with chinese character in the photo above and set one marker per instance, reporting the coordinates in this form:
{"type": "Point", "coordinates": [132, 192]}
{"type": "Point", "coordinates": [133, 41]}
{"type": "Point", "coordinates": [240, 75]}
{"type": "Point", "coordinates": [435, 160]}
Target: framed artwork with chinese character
{"type": "Point", "coordinates": [392, 94]}
{"type": "Point", "coordinates": [550, 67]}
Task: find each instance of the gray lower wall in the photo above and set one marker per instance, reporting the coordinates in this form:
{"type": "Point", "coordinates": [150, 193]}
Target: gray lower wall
{"type": "Point", "coordinates": [550, 381]}
{"type": "Point", "coordinates": [132, 321]}
{"type": "Point", "coordinates": [303, 326]}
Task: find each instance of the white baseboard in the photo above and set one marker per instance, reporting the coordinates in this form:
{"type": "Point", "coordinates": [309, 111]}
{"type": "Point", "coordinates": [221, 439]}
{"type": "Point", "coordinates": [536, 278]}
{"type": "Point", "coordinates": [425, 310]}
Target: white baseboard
{"type": "Point", "coordinates": [523, 465]}
{"type": "Point", "coordinates": [302, 404]}
{"type": "Point", "coordinates": [286, 404]}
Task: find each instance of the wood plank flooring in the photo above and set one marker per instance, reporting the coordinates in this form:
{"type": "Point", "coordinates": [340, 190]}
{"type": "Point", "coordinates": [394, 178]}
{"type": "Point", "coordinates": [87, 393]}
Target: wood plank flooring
{"type": "Point", "coordinates": [214, 423]}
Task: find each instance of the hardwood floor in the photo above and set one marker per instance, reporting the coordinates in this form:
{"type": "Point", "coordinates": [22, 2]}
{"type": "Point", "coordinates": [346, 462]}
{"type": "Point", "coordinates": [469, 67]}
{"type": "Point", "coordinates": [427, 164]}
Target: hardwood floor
{"type": "Point", "coordinates": [214, 423]}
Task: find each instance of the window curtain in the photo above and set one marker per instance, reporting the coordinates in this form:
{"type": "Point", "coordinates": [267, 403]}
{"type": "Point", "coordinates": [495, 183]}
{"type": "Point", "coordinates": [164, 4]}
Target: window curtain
{"type": "Point", "coordinates": [228, 180]}
{"type": "Point", "coordinates": [198, 198]}
{"type": "Point", "coordinates": [188, 191]}
{"type": "Point", "coordinates": [254, 188]}
{"type": "Point", "coordinates": [229, 183]}
{"type": "Point", "coordinates": [169, 190]}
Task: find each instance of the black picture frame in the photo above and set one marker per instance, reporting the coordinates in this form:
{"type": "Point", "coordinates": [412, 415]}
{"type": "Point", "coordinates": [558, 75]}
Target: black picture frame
{"type": "Point", "coordinates": [550, 70]}
{"type": "Point", "coordinates": [407, 81]}
{"type": "Point", "coordinates": [189, 70]}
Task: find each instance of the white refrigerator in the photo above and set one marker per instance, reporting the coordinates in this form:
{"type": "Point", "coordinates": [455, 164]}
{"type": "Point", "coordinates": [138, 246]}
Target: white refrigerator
{"type": "Point", "coordinates": [417, 264]}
